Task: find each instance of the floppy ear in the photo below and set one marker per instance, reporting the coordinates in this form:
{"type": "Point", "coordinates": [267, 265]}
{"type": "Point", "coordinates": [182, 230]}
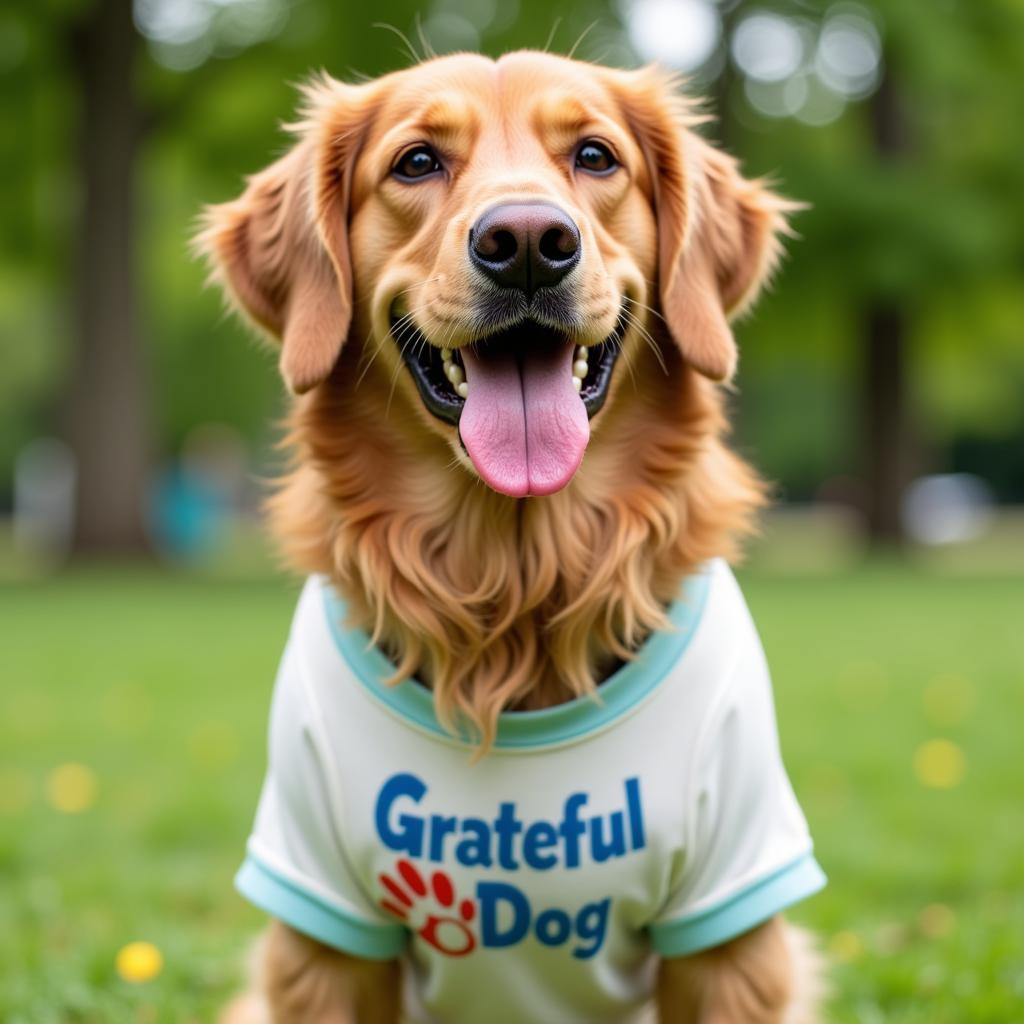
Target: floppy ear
{"type": "Point", "coordinates": [718, 232]}
{"type": "Point", "coordinates": [280, 250]}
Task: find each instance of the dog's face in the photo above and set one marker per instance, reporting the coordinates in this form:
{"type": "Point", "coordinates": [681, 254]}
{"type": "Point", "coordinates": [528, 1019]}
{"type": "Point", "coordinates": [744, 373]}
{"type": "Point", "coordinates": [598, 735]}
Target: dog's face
{"type": "Point", "coordinates": [494, 231]}
{"type": "Point", "coordinates": [518, 238]}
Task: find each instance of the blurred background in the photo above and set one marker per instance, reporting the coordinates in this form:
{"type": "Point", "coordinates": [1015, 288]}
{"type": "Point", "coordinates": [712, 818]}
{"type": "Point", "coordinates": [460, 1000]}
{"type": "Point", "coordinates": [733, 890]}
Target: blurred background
{"type": "Point", "coordinates": [881, 388]}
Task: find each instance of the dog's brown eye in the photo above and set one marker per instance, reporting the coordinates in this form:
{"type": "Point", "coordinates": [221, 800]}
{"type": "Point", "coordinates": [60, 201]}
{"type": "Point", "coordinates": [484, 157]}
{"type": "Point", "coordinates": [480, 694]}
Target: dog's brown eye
{"type": "Point", "coordinates": [415, 163]}
{"type": "Point", "coordinates": [595, 157]}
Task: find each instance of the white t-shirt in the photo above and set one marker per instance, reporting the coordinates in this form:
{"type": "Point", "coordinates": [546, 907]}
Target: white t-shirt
{"type": "Point", "coordinates": [539, 884]}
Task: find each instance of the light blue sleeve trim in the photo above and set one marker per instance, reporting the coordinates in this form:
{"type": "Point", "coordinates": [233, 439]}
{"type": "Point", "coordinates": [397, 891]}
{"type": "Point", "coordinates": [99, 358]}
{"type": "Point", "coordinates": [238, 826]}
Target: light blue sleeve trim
{"type": "Point", "coordinates": [741, 912]}
{"type": "Point", "coordinates": [313, 916]}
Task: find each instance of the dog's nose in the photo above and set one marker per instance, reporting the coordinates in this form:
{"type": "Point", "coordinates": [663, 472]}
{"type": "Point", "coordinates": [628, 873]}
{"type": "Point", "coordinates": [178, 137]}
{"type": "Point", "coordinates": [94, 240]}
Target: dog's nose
{"type": "Point", "coordinates": [525, 245]}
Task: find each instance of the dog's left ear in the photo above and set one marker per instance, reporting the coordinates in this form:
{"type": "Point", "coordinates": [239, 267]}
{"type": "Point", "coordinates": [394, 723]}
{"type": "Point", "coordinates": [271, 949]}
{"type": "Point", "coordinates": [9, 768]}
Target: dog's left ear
{"type": "Point", "coordinates": [718, 232]}
{"type": "Point", "coordinates": [280, 250]}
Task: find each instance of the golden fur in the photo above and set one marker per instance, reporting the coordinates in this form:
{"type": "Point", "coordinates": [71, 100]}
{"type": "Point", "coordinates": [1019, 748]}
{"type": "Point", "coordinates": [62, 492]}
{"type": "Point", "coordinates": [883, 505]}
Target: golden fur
{"type": "Point", "coordinates": [497, 602]}
{"type": "Point", "coordinates": [500, 603]}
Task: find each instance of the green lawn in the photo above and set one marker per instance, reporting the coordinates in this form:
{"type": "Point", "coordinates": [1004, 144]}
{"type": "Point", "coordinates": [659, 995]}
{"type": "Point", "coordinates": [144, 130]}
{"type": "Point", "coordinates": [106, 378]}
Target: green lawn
{"type": "Point", "coordinates": [158, 685]}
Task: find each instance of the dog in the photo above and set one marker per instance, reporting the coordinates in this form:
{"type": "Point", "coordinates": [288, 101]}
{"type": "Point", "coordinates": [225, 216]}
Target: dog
{"type": "Point", "coordinates": [523, 761]}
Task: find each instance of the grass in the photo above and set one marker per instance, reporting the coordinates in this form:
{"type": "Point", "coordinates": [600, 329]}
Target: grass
{"type": "Point", "coordinates": [158, 685]}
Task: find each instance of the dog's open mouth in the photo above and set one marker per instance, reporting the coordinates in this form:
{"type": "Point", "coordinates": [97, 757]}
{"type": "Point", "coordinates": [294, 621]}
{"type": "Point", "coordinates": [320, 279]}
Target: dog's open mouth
{"type": "Point", "coordinates": [522, 399]}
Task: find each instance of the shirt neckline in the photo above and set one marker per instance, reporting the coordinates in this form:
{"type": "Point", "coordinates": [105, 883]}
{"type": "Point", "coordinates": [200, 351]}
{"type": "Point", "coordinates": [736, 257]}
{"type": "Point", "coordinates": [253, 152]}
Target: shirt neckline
{"type": "Point", "coordinates": [620, 693]}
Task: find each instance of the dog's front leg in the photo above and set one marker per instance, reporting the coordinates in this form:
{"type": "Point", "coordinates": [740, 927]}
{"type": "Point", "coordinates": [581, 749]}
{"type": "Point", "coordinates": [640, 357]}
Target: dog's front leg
{"type": "Point", "coordinates": [305, 982]}
{"type": "Point", "coordinates": [767, 976]}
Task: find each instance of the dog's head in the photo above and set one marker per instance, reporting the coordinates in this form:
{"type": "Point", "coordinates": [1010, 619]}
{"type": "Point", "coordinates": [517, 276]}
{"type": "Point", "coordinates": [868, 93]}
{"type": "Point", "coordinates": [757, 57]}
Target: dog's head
{"type": "Point", "coordinates": [499, 236]}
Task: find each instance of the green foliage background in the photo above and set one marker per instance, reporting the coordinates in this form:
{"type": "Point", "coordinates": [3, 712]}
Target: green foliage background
{"type": "Point", "coordinates": [157, 683]}
{"type": "Point", "coordinates": [940, 231]}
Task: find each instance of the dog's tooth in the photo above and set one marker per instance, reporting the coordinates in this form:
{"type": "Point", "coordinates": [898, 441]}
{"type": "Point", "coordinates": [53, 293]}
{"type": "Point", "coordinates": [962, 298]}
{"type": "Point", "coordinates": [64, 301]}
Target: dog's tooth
{"type": "Point", "coordinates": [462, 389]}
{"type": "Point", "coordinates": [446, 355]}
{"type": "Point", "coordinates": [580, 368]}
{"type": "Point", "coordinates": [581, 352]}
{"type": "Point", "coordinates": [455, 373]}
{"type": "Point", "coordinates": [577, 383]}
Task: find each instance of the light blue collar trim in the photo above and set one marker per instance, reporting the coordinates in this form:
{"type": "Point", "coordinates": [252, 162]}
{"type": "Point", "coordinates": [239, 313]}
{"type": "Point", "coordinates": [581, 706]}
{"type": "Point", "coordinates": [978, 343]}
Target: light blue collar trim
{"type": "Point", "coordinates": [621, 692]}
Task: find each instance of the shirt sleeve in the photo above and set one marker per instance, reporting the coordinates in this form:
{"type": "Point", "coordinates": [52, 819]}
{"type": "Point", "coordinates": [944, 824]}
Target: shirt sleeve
{"type": "Point", "coordinates": [296, 868]}
{"type": "Point", "coordinates": [748, 854]}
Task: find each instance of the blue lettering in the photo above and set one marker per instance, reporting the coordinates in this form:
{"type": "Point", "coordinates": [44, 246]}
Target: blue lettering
{"type": "Point", "coordinates": [506, 825]}
{"type": "Point", "coordinates": [539, 836]}
{"type": "Point", "coordinates": [474, 849]}
{"type": "Point", "coordinates": [440, 827]}
{"type": "Point", "coordinates": [592, 924]}
{"type": "Point", "coordinates": [636, 814]}
{"type": "Point", "coordinates": [408, 837]}
{"type": "Point", "coordinates": [553, 927]}
{"type": "Point", "coordinates": [572, 828]}
{"type": "Point", "coordinates": [488, 895]}
{"type": "Point", "coordinates": [602, 851]}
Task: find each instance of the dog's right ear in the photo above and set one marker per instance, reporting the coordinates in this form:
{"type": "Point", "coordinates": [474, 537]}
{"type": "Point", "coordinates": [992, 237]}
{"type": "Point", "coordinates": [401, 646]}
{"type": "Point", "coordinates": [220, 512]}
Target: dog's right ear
{"type": "Point", "coordinates": [280, 250]}
{"type": "Point", "coordinates": [718, 232]}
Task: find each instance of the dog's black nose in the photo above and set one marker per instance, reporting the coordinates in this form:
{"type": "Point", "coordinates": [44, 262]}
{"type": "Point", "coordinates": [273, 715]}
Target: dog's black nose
{"type": "Point", "coordinates": [525, 245]}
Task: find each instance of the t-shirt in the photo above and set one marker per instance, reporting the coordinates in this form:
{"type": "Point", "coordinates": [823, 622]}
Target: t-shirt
{"type": "Point", "coordinates": [541, 882]}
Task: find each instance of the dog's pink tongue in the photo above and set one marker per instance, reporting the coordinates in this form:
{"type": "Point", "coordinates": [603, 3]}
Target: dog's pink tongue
{"type": "Point", "coordinates": [524, 425]}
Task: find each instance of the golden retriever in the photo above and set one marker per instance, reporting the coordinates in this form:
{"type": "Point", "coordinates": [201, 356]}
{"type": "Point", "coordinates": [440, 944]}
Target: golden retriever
{"type": "Point", "coordinates": [451, 504]}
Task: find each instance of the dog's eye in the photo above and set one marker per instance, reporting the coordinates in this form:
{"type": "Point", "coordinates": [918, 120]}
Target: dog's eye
{"type": "Point", "coordinates": [595, 157]}
{"type": "Point", "coordinates": [415, 163]}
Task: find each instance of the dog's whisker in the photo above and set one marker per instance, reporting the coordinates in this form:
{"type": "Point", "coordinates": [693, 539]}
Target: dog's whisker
{"type": "Point", "coordinates": [397, 331]}
{"type": "Point", "coordinates": [617, 346]}
{"type": "Point", "coordinates": [407, 323]}
{"type": "Point", "coordinates": [369, 354]}
{"type": "Point", "coordinates": [633, 321]}
{"type": "Point", "coordinates": [551, 35]}
{"type": "Point", "coordinates": [649, 309]}
{"type": "Point", "coordinates": [394, 381]}
{"type": "Point", "coordinates": [410, 49]}
{"type": "Point", "coordinates": [373, 352]}
{"type": "Point", "coordinates": [583, 35]}
{"type": "Point", "coordinates": [428, 49]}
{"type": "Point", "coordinates": [421, 346]}
{"type": "Point", "coordinates": [418, 284]}
{"type": "Point", "coordinates": [453, 327]}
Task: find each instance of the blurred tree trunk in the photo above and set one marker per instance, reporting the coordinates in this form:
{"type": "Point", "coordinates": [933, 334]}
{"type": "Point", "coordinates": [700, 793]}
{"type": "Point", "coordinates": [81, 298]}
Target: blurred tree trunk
{"type": "Point", "coordinates": [107, 414]}
{"type": "Point", "coordinates": [886, 429]}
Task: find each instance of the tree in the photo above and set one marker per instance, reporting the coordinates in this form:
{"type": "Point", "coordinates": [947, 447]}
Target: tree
{"type": "Point", "coordinates": [107, 408]}
{"type": "Point", "coordinates": [886, 418]}
{"type": "Point", "coordinates": [907, 167]}
{"type": "Point", "coordinates": [917, 241]}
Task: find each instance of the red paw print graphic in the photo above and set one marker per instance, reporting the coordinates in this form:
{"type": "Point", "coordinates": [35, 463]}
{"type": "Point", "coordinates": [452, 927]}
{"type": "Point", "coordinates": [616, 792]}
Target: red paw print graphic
{"type": "Point", "coordinates": [430, 912]}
